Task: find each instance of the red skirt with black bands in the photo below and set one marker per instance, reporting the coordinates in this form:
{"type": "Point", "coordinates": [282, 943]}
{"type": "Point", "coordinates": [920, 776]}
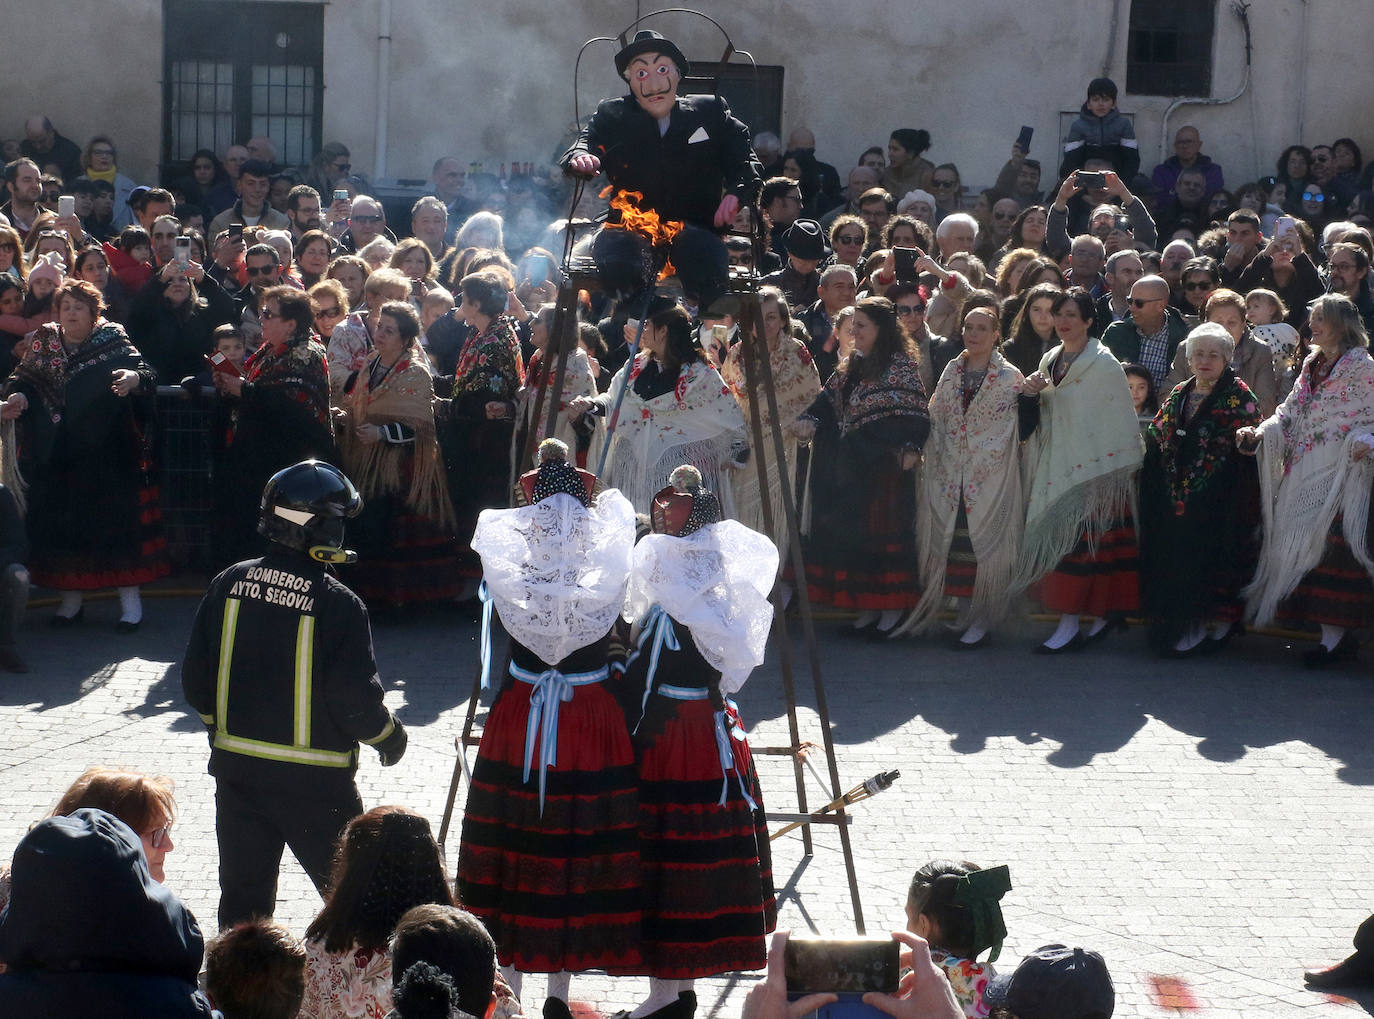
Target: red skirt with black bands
{"type": "Point", "coordinates": [1337, 591]}
{"type": "Point", "coordinates": [708, 876]}
{"type": "Point", "coordinates": [1100, 582]}
{"type": "Point", "coordinates": [558, 890]}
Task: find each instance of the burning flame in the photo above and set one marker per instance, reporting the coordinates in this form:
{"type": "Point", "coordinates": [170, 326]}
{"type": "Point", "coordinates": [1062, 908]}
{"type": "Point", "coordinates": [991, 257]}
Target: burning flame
{"type": "Point", "coordinates": [645, 222]}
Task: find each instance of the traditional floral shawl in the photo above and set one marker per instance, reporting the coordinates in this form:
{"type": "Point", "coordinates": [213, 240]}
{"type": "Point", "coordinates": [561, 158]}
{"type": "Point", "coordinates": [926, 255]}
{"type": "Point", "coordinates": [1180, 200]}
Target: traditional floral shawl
{"type": "Point", "coordinates": [1082, 462]}
{"type": "Point", "coordinates": [1232, 405]}
{"type": "Point", "coordinates": [697, 422]}
{"type": "Point", "coordinates": [490, 364]}
{"type": "Point", "coordinates": [1307, 476]}
{"type": "Point", "coordinates": [971, 456]}
{"type": "Point", "coordinates": [795, 385]}
{"type": "Point", "coordinates": [897, 392]}
{"type": "Point", "coordinates": [47, 365]}
{"type": "Point", "coordinates": [349, 346]}
{"type": "Point", "coordinates": [578, 381]}
{"type": "Point", "coordinates": [299, 369]}
{"type": "Point", "coordinates": [405, 395]}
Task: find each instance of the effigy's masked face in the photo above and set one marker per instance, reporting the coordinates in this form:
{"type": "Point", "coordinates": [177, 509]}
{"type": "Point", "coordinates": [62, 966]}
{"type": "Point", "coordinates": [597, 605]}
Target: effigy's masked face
{"type": "Point", "coordinates": [653, 80]}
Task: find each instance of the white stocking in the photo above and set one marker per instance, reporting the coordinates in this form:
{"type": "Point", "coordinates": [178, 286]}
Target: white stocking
{"type": "Point", "coordinates": [71, 604]}
{"type": "Point", "coordinates": [513, 978]}
{"type": "Point", "coordinates": [889, 619]}
{"type": "Point", "coordinates": [973, 634]}
{"type": "Point", "coordinates": [1331, 636]}
{"type": "Point", "coordinates": [559, 984]}
{"type": "Point", "coordinates": [1068, 629]}
{"type": "Point", "coordinates": [661, 993]}
{"type": "Point", "coordinates": [130, 605]}
{"type": "Point", "coordinates": [1098, 625]}
{"type": "Point", "coordinates": [865, 619]}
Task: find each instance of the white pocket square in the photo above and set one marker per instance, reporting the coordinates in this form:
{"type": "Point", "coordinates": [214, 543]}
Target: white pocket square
{"type": "Point", "coordinates": [699, 135]}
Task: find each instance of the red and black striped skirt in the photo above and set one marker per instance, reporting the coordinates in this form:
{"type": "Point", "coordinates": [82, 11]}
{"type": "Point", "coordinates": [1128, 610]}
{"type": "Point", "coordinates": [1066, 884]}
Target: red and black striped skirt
{"type": "Point", "coordinates": [1100, 582]}
{"type": "Point", "coordinates": [557, 889]}
{"type": "Point", "coordinates": [708, 874]}
{"type": "Point", "coordinates": [1337, 591]}
{"type": "Point", "coordinates": [961, 565]}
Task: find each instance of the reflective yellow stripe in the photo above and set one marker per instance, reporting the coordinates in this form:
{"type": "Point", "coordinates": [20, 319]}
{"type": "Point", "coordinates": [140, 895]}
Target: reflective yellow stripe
{"type": "Point", "coordinates": [226, 658]}
{"type": "Point", "coordinates": [387, 730]}
{"type": "Point", "coordinates": [208, 719]}
{"type": "Point", "coordinates": [277, 752]}
{"type": "Point", "coordinates": [305, 656]}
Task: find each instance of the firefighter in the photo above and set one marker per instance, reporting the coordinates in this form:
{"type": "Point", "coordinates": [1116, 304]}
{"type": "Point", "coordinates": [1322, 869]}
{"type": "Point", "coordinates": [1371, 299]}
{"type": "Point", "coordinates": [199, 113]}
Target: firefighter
{"type": "Point", "coordinates": [280, 669]}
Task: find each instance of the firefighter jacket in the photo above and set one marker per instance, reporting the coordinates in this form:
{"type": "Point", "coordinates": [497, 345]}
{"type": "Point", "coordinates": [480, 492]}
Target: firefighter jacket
{"type": "Point", "coordinates": [281, 670]}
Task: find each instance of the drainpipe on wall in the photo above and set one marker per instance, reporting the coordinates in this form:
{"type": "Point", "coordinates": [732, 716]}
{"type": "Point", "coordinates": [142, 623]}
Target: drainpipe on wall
{"type": "Point", "coordinates": [1110, 55]}
{"type": "Point", "coordinates": [383, 89]}
{"type": "Point", "coordinates": [1241, 9]}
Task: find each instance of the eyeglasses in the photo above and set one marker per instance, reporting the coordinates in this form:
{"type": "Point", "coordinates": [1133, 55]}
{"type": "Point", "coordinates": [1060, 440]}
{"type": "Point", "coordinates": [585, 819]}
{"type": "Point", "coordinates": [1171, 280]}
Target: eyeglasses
{"type": "Point", "coordinates": [343, 167]}
{"type": "Point", "coordinates": [1139, 302]}
{"type": "Point", "coordinates": [1308, 196]}
{"type": "Point", "coordinates": [911, 309]}
{"type": "Point", "coordinates": [364, 219]}
{"type": "Point", "coordinates": [267, 316]}
{"type": "Point", "coordinates": [849, 238]}
{"type": "Point", "coordinates": [1199, 285]}
{"type": "Point", "coordinates": [158, 837]}
{"type": "Point", "coordinates": [260, 270]}
{"type": "Point", "coordinates": [334, 312]}
{"type": "Point", "coordinates": [943, 183]}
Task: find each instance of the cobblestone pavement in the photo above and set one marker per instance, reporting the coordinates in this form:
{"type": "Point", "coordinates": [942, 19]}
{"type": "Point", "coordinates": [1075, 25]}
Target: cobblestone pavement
{"type": "Point", "coordinates": [1207, 825]}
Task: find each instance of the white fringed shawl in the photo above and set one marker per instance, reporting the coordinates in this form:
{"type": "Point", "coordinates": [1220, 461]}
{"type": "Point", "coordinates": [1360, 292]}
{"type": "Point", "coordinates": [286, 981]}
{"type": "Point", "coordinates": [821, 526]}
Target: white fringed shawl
{"type": "Point", "coordinates": [697, 422]}
{"type": "Point", "coordinates": [971, 455]}
{"type": "Point", "coordinates": [1307, 477]}
{"type": "Point", "coordinates": [1082, 462]}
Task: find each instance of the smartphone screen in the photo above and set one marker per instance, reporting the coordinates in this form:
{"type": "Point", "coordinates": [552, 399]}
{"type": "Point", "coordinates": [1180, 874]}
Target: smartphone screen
{"type": "Point", "coordinates": [1090, 178]}
{"type": "Point", "coordinates": [1023, 139]}
{"type": "Point", "coordinates": [905, 263]}
{"type": "Point", "coordinates": [850, 966]}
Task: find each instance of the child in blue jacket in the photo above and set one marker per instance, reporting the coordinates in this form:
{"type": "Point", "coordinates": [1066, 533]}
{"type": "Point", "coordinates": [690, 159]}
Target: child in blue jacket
{"type": "Point", "coordinates": [1101, 132]}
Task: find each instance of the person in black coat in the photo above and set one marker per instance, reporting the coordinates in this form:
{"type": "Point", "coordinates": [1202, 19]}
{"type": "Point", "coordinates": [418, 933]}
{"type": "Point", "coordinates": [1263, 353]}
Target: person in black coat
{"type": "Point", "coordinates": [173, 318]}
{"type": "Point", "coordinates": [687, 155]}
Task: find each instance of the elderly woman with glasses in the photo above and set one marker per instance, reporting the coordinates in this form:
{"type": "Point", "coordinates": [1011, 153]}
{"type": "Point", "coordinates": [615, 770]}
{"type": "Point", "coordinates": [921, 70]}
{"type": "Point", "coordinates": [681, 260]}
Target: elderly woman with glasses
{"type": "Point", "coordinates": [1199, 500]}
{"type": "Point", "coordinates": [1315, 474]}
{"type": "Point", "coordinates": [1251, 360]}
{"type": "Point", "coordinates": [98, 162]}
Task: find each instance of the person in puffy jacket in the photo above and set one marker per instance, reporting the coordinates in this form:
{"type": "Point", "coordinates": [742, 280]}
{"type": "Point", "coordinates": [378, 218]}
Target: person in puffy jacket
{"type": "Point", "coordinates": [1101, 131]}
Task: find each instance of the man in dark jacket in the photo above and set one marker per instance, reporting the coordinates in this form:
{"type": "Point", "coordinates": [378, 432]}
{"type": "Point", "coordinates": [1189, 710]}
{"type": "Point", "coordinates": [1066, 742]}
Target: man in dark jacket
{"type": "Point", "coordinates": [280, 669]}
{"type": "Point", "coordinates": [1151, 333]}
{"type": "Point", "coordinates": [88, 932]}
{"type": "Point", "coordinates": [687, 155]}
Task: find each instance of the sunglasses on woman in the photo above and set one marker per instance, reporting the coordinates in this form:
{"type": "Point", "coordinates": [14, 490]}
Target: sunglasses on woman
{"type": "Point", "coordinates": [158, 837]}
{"type": "Point", "coordinates": [1308, 196]}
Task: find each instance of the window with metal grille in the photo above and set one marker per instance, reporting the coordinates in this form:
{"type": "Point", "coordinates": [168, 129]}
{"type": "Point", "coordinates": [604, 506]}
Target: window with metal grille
{"type": "Point", "coordinates": [1169, 50]}
{"type": "Point", "coordinates": [237, 69]}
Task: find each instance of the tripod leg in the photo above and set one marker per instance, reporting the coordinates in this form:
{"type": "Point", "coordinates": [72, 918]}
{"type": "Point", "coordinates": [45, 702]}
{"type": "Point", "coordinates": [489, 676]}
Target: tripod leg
{"type": "Point", "coordinates": [460, 765]}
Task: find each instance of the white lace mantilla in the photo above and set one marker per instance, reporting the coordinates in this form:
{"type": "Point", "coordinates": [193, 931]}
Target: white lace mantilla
{"type": "Point", "coordinates": [715, 581]}
{"type": "Point", "coordinates": [557, 570]}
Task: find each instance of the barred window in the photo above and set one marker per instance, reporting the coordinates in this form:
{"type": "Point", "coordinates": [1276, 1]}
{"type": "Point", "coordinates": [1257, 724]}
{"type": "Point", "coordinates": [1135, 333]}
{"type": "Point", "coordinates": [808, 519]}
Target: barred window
{"type": "Point", "coordinates": [1169, 50]}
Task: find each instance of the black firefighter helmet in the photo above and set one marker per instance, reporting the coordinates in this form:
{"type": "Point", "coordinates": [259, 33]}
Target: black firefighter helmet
{"type": "Point", "coordinates": [304, 507]}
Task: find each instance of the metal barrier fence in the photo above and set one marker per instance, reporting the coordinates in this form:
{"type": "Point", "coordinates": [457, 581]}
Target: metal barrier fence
{"type": "Point", "coordinates": [184, 447]}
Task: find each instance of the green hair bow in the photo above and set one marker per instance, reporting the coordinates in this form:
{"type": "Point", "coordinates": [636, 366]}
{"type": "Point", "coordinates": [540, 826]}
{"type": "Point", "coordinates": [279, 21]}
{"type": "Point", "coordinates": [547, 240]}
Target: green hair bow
{"type": "Point", "coordinates": [980, 893]}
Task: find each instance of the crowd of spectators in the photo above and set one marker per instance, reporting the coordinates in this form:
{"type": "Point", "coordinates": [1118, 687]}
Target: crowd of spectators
{"type": "Point", "coordinates": [946, 360]}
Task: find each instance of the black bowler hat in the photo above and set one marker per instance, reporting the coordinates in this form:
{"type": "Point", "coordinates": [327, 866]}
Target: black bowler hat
{"type": "Point", "coordinates": [650, 42]}
{"type": "Point", "coordinates": [806, 239]}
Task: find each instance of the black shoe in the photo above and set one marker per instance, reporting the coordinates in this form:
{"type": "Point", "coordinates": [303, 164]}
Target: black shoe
{"type": "Point", "coordinates": [1356, 971]}
{"type": "Point", "coordinates": [1076, 644]}
{"type": "Point", "coordinates": [556, 1008]}
{"type": "Point", "coordinates": [1213, 644]}
{"type": "Point", "coordinates": [11, 662]}
{"type": "Point", "coordinates": [1114, 622]}
{"type": "Point", "coordinates": [124, 626]}
{"type": "Point", "coordinates": [688, 1001]}
{"type": "Point", "coordinates": [62, 622]}
{"type": "Point", "coordinates": [1320, 658]}
{"type": "Point", "coordinates": [956, 644]}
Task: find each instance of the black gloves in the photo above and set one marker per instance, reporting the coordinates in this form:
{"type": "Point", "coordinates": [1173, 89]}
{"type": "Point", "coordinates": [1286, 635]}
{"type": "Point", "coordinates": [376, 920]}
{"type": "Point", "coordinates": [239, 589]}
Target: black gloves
{"type": "Point", "coordinates": [393, 748]}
